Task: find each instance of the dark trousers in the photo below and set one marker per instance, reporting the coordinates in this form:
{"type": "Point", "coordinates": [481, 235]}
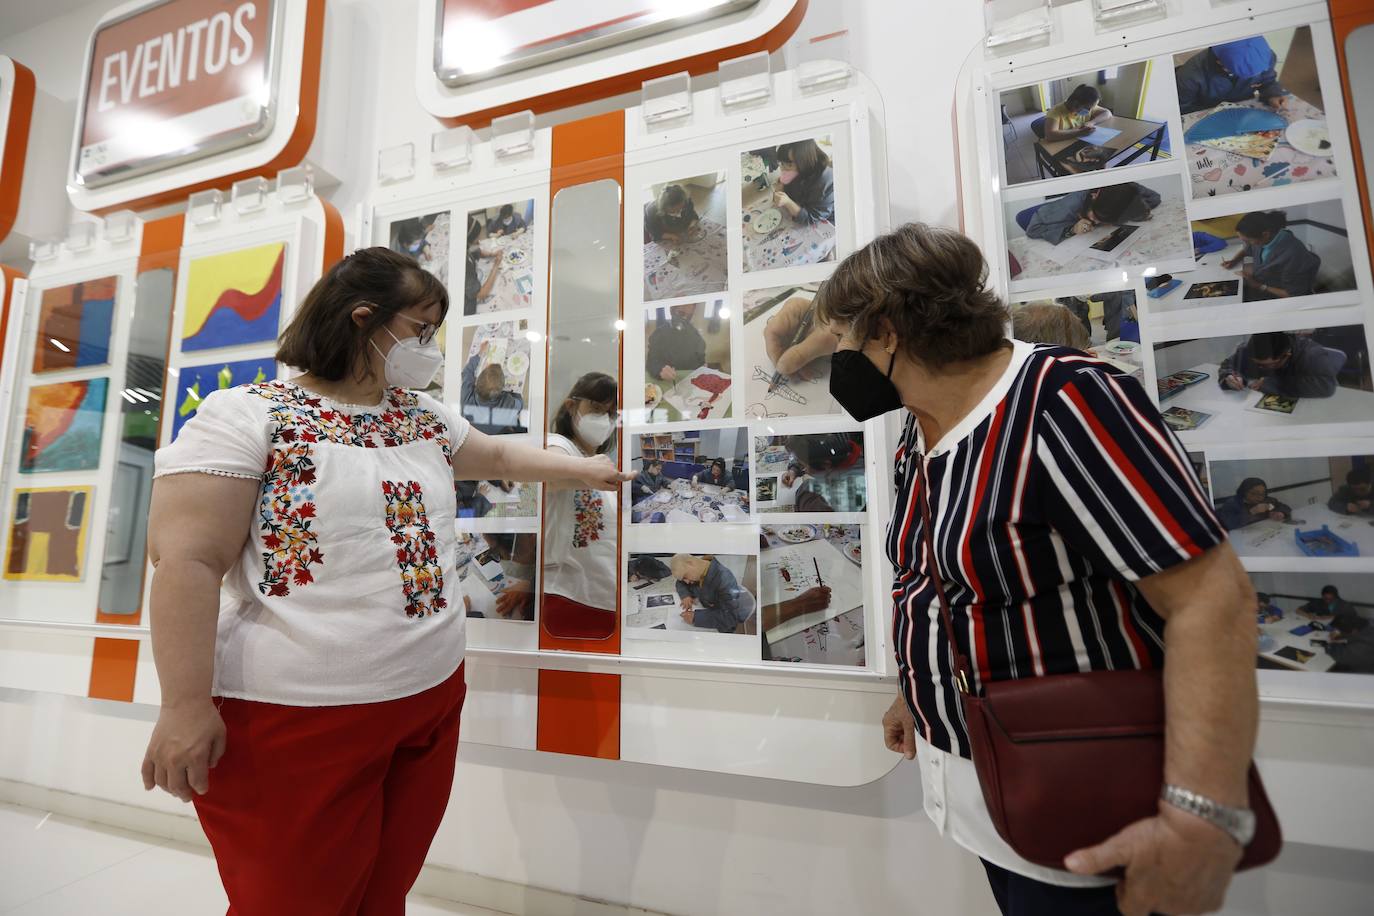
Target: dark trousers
{"type": "Point", "coordinates": [1018, 895]}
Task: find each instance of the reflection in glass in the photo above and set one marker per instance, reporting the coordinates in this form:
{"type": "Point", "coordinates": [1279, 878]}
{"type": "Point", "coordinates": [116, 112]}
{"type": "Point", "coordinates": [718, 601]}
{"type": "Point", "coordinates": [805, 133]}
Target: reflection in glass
{"type": "Point", "coordinates": [581, 548]}
{"type": "Point", "coordinates": [121, 577]}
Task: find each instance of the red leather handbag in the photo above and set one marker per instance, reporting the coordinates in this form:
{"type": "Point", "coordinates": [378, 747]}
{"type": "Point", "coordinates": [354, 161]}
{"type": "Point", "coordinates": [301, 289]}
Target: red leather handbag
{"type": "Point", "coordinates": [1067, 760]}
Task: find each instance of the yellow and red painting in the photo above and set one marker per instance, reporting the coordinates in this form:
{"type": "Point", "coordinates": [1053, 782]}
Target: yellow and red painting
{"type": "Point", "coordinates": [234, 298]}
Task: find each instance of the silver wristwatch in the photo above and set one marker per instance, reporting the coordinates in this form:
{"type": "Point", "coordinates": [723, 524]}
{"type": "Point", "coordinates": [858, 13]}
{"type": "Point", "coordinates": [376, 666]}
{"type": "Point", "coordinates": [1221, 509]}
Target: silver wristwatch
{"type": "Point", "coordinates": [1239, 823]}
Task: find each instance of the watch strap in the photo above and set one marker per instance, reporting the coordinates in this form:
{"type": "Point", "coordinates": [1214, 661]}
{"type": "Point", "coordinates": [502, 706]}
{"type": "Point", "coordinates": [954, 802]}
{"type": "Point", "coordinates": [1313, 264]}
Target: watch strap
{"type": "Point", "coordinates": [1239, 823]}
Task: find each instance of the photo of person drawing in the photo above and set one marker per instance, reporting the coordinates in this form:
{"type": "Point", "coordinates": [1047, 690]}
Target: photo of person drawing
{"type": "Point", "coordinates": [711, 596]}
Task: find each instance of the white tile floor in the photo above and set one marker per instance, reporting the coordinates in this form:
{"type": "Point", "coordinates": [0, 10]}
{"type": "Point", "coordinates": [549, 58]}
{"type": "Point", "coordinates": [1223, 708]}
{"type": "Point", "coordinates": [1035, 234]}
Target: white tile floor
{"type": "Point", "coordinates": [53, 866]}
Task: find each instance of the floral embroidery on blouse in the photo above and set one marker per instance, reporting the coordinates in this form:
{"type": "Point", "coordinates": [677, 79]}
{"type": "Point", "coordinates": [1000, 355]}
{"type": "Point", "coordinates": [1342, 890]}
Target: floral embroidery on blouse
{"type": "Point", "coordinates": [422, 580]}
{"type": "Point", "coordinates": [286, 509]}
{"type": "Point", "coordinates": [588, 523]}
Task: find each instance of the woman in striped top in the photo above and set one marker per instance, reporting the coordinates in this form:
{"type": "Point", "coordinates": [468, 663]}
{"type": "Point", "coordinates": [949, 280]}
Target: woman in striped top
{"type": "Point", "coordinates": [1069, 528]}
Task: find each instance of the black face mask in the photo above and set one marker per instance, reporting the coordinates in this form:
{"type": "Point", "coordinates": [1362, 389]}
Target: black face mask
{"type": "Point", "coordinates": [862, 390]}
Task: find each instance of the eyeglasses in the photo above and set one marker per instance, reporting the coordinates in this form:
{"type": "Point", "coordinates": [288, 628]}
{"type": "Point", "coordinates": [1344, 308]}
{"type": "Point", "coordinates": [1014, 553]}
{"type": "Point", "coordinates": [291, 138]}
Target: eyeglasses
{"type": "Point", "coordinates": [426, 332]}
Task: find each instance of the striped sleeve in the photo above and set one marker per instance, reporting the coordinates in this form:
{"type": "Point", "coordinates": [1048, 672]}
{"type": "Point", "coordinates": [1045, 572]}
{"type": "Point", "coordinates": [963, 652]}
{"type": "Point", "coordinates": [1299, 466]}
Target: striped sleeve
{"type": "Point", "coordinates": [1117, 485]}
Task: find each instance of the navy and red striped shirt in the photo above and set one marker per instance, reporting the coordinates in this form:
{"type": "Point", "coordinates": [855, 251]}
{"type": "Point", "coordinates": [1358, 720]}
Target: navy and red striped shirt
{"type": "Point", "coordinates": [1048, 501]}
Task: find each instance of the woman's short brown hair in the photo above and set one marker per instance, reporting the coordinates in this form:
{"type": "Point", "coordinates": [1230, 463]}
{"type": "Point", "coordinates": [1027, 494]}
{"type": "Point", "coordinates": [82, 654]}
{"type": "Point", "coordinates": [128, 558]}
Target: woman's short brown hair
{"type": "Point", "coordinates": [929, 284]}
{"type": "Point", "coordinates": [323, 339]}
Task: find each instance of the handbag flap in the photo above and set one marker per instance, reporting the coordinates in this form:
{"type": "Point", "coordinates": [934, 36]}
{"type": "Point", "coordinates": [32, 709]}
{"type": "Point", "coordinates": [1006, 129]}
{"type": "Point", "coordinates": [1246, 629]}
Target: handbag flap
{"type": "Point", "coordinates": [1059, 707]}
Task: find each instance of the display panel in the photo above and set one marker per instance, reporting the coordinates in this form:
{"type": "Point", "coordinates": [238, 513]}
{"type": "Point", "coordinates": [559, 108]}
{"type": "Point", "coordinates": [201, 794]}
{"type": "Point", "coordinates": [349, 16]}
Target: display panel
{"type": "Point", "coordinates": [1085, 122]}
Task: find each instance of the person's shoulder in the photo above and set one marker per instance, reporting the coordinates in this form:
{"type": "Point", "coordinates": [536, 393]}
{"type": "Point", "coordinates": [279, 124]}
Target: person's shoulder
{"type": "Point", "coordinates": [1052, 368]}
{"type": "Point", "coordinates": [562, 443]}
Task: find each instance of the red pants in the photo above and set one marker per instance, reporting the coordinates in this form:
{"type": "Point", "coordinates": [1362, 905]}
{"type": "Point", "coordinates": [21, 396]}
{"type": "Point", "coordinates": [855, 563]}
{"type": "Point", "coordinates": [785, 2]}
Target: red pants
{"type": "Point", "coordinates": [329, 811]}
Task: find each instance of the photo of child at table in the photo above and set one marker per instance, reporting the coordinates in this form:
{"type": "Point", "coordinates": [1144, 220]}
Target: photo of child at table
{"type": "Point", "coordinates": [1315, 622]}
{"type": "Point", "coordinates": [475, 288]}
{"type": "Point", "coordinates": [817, 472]}
{"type": "Point", "coordinates": [500, 258]}
{"type": "Point", "coordinates": [1356, 495]}
{"type": "Point", "coordinates": [487, 404]}
{"type": "Point", "coordinates": [648, 481]}
{"type": "Point", "coordinates": [1277, 362]}
{"type": "Point", "coordinates": [670, 217]}
{"type": "Point", "coordinates": [676, 346]}
{"type": "Point", "coordinates": [1265, 610]}
{"type": "Point", "coordinates": [1280, 266]}
{"type": "Point", "coordinates": [505, 222]}
{"type": "Point", "coordinates": [1081, 122]}
{"type": "Point", "coordinates": [711, 596]}
{"type": "Point", "coordinates": [685, 248]}
{"type": "Point", "coordinates": [1291, 507]}
{"type": "Point", "coordinates": [510, 595]}
{"type": "Point", "coordinates": [1236, 71]}
{"type": "Point", "coordinates": [715, 475]}
{"type": "Point", "coordinates": [426, 239]}
{"type": "Point", "coordinates": [788, 197]}
{"type": "Point", "coordinates": [1083, 211]}
{"type": "Point", "coordinates": [1250, 504]}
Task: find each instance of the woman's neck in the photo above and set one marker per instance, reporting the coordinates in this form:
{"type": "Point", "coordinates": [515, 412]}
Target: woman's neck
{"type": "Point", "coordinates": [941, 398]}
{"type": "Point", "coordinates": [347, 390]}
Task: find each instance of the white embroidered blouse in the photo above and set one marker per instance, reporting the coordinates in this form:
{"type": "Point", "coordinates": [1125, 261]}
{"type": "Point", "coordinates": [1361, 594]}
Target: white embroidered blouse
{"type": "Point", "coordinates": [344, 590]}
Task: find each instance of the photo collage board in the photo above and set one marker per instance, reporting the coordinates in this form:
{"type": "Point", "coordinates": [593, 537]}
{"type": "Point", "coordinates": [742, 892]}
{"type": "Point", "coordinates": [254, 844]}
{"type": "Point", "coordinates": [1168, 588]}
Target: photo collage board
{"type": "Point", "coordinates": [1193, 219]}
{"type": "Point", "coordinates": [490, 250]}
{"type": "Point", "coordinates": [745, 527]}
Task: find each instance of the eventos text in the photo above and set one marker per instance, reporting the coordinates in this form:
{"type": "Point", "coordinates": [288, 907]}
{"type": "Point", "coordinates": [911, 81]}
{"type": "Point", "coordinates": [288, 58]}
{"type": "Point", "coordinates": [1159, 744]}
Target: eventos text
{"type": "Point", "coordinates": [204, 47]}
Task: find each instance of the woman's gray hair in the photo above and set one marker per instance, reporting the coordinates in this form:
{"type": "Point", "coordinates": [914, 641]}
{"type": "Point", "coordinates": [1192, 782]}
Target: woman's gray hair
{"type": "Point", "coordinates": [928, 284]}
{"type": "Point", "coordinates": [1049, 323]}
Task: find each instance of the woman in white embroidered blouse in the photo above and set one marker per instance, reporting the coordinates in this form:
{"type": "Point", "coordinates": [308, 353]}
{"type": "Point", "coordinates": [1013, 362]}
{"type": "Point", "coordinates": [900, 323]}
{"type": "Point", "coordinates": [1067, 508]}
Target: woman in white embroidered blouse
{"type": "Point", "coordinates": [307, 630]}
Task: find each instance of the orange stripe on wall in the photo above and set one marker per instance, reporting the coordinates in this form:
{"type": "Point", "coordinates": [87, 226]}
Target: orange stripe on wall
{"type": "Point", "coordinates": [114, 663]}
{"type": "Point", "coordinates": [333, 236]}
{"type": "Point", "coordinates": [579, 713]}
{"type": "Point", "coordinates": [16, 147]}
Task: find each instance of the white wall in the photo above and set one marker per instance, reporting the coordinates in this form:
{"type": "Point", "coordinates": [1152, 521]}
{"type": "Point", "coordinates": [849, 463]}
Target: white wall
{"type": "Point", "coordinates": [675, 840]}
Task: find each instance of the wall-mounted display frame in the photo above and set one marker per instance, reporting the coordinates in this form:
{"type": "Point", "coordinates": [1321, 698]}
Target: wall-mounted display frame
{"type": "Point", "coordinates": [1279, 262]}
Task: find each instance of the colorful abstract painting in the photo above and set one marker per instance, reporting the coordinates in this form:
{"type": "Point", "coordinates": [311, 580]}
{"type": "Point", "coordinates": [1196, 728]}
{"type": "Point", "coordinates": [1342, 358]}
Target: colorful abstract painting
{"type": "Point", "coordinates": [234, 298]}
{"type": "Point", "coordinates": [74, 324]}
{"type": "Point", "coordinates": [62, 426]}
{"type": "Point", "coordinates": [47, 534]}
{"type": "Point", "coordinates": [195, 383]}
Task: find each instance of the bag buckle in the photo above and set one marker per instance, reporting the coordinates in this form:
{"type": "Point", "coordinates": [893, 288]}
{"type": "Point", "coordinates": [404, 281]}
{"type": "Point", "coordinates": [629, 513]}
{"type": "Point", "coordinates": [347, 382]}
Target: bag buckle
{"type": "Point", "coordinates": [962, 683]}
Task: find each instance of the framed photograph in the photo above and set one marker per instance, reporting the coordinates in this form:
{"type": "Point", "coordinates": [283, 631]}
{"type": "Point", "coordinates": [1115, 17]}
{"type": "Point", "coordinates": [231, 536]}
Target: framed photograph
{"type": "Point", "coordinates": [812, 585]}
{"type": "Point", "coordinates": [1273, 260]}
{"type": "Point", "coordinates": [46, 537]}
{"type": "Point", "coordinates": [426, 239]}
{"type": "Point", "coordinates": [687, 365]}
{"type": "Point", "coordinates": [1261, 383]}
{"type": "Point", "coordinates": [685, 252]}
{"type": "Point", "coordinates": [1110, 226]}
{"type": "Point", "coordinates": [1316, 622]}
{"type": "Point", "coordinates": [786, 354]}
{"type": "Point", "coordinates": [1296, 507]}
{"type": "Point", "coordinates": [495, 380]}
{"type": "Point", "coordinates": [816, 472]}
{"type": "Point", "coordinates": [1085, 122]}
{"type": "Point", "coordinates": [496, 575]}
{"type": "Point", "coordinates": [1254, 114]}
{"type": "Point", "coordinates": [690, 477]}
{"type": "Point", "coordinates": [1105, 324]}
{"type": "Point", "coordinates": [498, 274]}
{"type": "Point", "coordinates": [692, 593]}
{"type": "Point", "coordinates": [788, 204]}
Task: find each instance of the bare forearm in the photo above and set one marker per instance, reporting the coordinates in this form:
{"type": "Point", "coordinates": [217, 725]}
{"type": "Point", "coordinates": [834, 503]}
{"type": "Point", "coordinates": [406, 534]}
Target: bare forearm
{"type": "Point", "coordinates": [527, 463]}
{"type": "Point", "coordinates": [185, 615]}
{"type": "Point", "coordinates": [1211, 704]}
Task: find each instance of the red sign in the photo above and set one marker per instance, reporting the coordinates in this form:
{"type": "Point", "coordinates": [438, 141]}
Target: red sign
{"type": "Point", "coordinates": [173, 81]}
{"type": "Point", "coordinates": [477, 38]}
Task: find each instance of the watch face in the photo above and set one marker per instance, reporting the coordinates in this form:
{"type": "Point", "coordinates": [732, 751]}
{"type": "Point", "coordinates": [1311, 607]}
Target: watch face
{"type": "Point", "coordinates": [1245, 827]}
